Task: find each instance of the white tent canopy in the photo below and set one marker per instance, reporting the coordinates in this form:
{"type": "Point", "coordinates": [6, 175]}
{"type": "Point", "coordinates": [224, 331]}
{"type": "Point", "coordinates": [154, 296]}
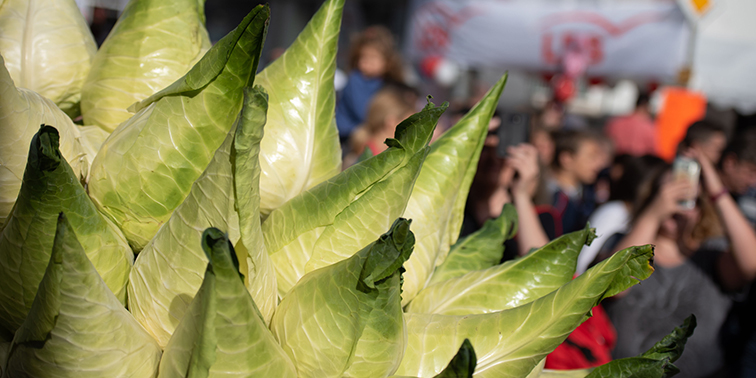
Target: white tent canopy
{"type": "Point", "coordinates": [724, 65]}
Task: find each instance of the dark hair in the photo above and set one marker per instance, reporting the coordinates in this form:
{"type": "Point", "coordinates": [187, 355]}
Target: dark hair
{"type": "Point", "coordinates": [649, 187]}
{"type": "Point", "coordinates": [700, 131]}
{"type": "Point", "coordinates": [742, 147]}
{"type": "Point", "coordinates": [569, 141]}
{"type": "Point", "coordinates": [379, 37]}
{"type": "Point", "coordinates": [643, 100]}
{"type": "Point", "coordinates": [624, 176]}
{"type": "Point", "coordinates": [634, 172]}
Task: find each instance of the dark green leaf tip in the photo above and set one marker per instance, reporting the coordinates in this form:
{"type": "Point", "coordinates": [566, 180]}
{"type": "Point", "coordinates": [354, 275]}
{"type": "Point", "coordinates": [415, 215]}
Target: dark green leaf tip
{"type": "Point", "coordinates": [415, 132]}
{"type": "Point", "coordinates": [217, 248]}
{"type": "Point", "coordinates": [252, 91]}
{"type": "Point", "coordinates": [392, 142]}
{"type": "Point", "coordinates": [655, 362]}
{"type": "Point", "coordinates": [45, 149]}
{"type": "Point", "coordinates": [388, 253]}
{"type": "Point", "coordinates": [591, 234]}
{"type": "Point", "coordinates": [462, 365]}
{"type": "Point", "coordinates": [673, 344]}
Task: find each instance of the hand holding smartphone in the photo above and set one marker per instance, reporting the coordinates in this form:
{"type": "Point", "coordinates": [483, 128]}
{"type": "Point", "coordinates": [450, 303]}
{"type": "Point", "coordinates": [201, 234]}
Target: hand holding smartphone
{"type": "Point", "coordinates": [514, 130]}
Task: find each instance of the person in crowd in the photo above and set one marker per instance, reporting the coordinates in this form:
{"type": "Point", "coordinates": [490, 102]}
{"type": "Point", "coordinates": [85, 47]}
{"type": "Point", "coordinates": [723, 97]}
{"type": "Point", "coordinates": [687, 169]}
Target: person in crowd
{"type": "Point", "coordinates": [543, 141]}
{"type": "Point", "coordinates": [551, 116]}
{"type": "Point", "coordinates": [635, 133]}
{"type": "Point", "coordinates": [737, 169]}
{"type": "Point", "coordinates": [373, 61]}
{"type": "Point", "coordinates": [499, 181]}
{"type": "Point", "coordinates": [707, 137]}
{"type": "Point", "coordinates": [391, 105]}
{"type": "Point", "coordinates": [601, 186]}
{"type": "Point", "coordinates": [687, 279]}
{"type": "Point", "coordinates": [578, 158]}
{"type": "Point", "coordinates": [628, 177]}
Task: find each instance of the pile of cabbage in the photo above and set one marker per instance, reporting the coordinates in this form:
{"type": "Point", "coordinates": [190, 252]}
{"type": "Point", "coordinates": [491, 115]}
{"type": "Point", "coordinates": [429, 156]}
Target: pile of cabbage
{"type": "Point", "coordinates": [199, 223]}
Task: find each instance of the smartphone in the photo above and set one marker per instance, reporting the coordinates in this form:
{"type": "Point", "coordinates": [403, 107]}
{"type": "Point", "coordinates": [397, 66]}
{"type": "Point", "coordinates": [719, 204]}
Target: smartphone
{"type": "Point", "coordinates": [688, 169]}
{"type": "Point", "coordinates": [514, 130]}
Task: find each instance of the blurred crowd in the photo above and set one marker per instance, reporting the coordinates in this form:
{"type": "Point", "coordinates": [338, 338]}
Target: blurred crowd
{"type": "Point", "coordinates": [699, 210]}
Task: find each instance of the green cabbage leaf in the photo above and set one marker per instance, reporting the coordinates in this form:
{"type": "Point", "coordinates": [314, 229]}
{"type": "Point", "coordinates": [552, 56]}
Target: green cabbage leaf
{"type": "Point", "coordinates": [438, 199]}
{"type": "Point", "coordinates": [573, 373]}
{"type": "Point", "coordinates": [4, 350]}
{"type": "Point", "coordinates": [22, 111]}
{"type": "Point", "coordinates": [146, 168]}
{"type": "Point", "coordinates": [482, 249]}
{"type": "Point", "coordinates": [76, 327]}
{"type": "Point", "coordinates": [655, 362]}
{"type": "Point", "coordinates": [48, 48]}
{"type": "Point", "coordinates": [222, 333]}
{"type": "Point", "coordinates": [153, 44]}
{"type": "Point", "coordinates": [462, 365]}
{"type": "Point", "coordinates": [91, 139]}
{"type": "Point", "coordinates": [50, 186]}
{"type": "Point", "coordinates": [345, 320]}
{"type": "Point", "coordinates": [301, 144]}
{"type": "Point", "coordinates": [170, 270]}
{"type": "Point", "coordinates": [512, 342]}
{"type": "Point", "coordinates": [327, 223]}
{"type": "Point", "coordinates": [509, 285]}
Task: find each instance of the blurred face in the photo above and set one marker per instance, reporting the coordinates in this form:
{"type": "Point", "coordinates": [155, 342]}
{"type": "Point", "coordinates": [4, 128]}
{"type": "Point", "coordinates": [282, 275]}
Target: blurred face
{"type": "Point", "coordinates": [372, 63]}
{"type": "Point", "coordinates": [739, 175]}
{"type": "Point", "coordinates": [713, 147]}
{"type": "Point", "coordinates": [491, 172]}
{"type": "Point", "coordinates": [552, 116]}
{"type": "Point", "coordinates": [545, 146]}
{"type": "Point", "coordinates": [588, 161]}
{"type": "Point", "coordinates": [680, 226]}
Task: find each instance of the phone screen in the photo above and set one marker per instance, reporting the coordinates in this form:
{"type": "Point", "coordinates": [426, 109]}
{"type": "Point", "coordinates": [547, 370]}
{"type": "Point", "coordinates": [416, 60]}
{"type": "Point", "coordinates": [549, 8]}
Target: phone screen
{"type": "Point", "coordinates": [514, 130]}
{"type": "Point", "coordinates": [687, 169]}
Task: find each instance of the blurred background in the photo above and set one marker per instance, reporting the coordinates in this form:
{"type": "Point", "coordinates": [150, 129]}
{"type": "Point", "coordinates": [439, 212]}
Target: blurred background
{"type": "Point", "coordinates": [594, 56]}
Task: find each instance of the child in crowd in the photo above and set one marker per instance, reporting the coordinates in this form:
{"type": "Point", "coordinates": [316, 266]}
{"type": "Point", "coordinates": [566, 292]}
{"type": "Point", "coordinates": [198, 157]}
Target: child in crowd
{"type": "Point", "coordinates": [579, 156]}
{"type": "Point", "coordinates": [373, 61]}
{"type": "Point", "coordinates": [390, 106]}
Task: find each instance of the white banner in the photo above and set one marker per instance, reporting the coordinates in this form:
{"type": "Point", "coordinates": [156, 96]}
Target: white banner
{"type": "Point", "coordinates": [618, 39]}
